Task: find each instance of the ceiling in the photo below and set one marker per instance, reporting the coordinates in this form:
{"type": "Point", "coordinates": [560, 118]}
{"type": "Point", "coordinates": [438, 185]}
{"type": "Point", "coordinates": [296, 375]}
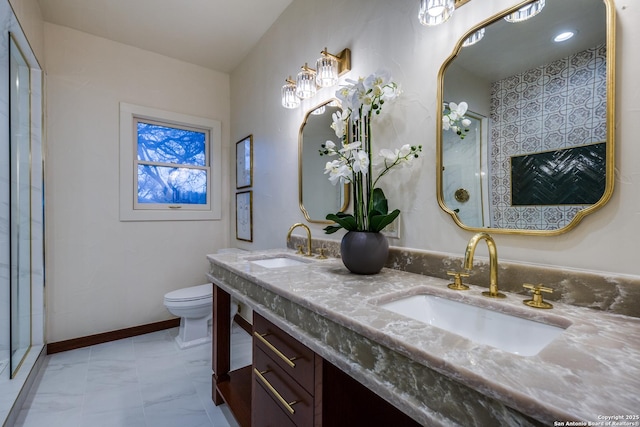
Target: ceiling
{"type": "Point", "coordinates": [215, 34]}
{"type": "Point", "coordinates": [511, 48]}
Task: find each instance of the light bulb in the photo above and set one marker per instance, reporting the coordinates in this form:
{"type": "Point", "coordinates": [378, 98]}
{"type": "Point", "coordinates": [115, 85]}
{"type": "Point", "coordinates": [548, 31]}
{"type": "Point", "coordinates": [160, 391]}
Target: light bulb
{"type": "Point", "coordinates": [474, 38]}
{"type": "Point", "coordinates": [435, 12]}
{"type": "Point", "coordinates": [526, 12]}
{"type": "Point", "coordinates": [326, 70]}
{"type": "Point", "coordinates": [289, 97]}
{"type": "Point", "coordinates": [306, 83]}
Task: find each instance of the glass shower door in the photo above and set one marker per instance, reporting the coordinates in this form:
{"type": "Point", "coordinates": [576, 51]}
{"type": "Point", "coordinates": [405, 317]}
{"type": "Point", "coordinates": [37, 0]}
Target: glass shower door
{"type": "Point", "coordinates": [20, 212]}
{"type": "Point", "coordinates": [464, 183]}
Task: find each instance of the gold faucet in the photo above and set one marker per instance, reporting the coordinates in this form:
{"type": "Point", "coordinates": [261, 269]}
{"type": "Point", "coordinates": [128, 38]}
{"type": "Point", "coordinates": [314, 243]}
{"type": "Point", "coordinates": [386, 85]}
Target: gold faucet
{"type": "Point", "coordinates": [493, 262]}
{"type": "Point", "coordinates": [299, 224]}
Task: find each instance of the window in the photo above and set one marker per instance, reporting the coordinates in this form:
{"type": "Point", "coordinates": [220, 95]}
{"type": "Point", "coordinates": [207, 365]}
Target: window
{"type": "Point", "coordinates": [172, 165]}
{"type": "Point", "coordinates": [169, 165]}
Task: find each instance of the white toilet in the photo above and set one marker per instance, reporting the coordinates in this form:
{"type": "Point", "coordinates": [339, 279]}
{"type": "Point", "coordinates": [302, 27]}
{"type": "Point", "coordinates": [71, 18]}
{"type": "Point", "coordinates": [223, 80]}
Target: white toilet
{"type": "Point", "coordinates": [194, 306]}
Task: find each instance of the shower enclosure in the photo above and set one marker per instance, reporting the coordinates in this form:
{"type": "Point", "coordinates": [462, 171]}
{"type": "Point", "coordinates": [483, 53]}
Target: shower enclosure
{"type": "Point", "coordinates": [19, 206]}
{"type": "Point", "coordinates": [465, 175]}
{"type": "Point", "coordinates": [21, 214]}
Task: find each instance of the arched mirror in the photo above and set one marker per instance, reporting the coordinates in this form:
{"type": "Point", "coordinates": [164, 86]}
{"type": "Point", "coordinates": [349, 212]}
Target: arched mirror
{"type": "Point", "coordinates": [318, 197]}
{"type": "Point", "coordinates": [535, 151]}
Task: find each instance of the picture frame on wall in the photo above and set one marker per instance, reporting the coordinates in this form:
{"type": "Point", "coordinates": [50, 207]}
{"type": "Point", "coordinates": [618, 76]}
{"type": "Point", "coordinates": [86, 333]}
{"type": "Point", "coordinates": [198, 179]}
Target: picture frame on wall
{"type": "Point", "coordinates": [244, 162]}
{"type": "Point", "coordinates": [244, 216]}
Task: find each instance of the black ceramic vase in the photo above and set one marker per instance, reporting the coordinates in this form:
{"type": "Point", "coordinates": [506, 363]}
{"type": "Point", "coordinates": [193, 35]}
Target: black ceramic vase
{"type": "Point", "coordinates": [364, 252]}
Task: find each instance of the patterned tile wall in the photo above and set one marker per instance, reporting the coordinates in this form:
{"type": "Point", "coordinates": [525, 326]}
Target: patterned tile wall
{"type": "Point", "coordinates": [558, 105]}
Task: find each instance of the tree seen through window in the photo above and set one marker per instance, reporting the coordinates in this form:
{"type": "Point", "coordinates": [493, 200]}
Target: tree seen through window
{"type": "Point", "coordinates": [172, 164]}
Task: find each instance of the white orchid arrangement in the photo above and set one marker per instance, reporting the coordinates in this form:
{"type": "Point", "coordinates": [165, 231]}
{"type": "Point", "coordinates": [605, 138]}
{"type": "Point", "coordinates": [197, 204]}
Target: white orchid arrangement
{"type": "Point", "coordinates": [360, 100]}
{"type": "Point", "coordinates": [454, 119]}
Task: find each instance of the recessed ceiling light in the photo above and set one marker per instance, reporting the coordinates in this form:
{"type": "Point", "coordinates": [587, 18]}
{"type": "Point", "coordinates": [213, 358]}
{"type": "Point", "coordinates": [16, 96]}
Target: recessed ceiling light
{"type": "Point", "coordinates": [563, 36]}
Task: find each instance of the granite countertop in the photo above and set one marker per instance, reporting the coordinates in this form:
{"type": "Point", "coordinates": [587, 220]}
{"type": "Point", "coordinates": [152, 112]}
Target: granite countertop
{"type": "Point", "coordinates": [588, 373]}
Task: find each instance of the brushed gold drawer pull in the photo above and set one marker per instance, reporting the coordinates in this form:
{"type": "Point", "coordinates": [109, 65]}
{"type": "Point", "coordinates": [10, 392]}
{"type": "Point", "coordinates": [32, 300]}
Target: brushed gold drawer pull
{"type": "Point", "coordinates": [288, 405]}
{"type": "Point", "coordinates": [288, 360]}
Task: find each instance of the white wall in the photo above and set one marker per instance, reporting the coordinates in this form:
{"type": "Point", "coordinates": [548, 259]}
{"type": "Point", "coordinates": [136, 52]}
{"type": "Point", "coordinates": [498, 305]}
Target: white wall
{"type": "Point", "coordinates": [103, 274]}
{"type": "Point", "coordinates": [387, 34]}
{"type": "Point", "coordinates": [463, 85]}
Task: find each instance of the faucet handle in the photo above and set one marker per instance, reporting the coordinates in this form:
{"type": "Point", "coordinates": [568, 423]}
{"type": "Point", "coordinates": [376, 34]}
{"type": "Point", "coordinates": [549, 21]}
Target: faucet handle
{"type": "Point", "coordinates": [321, 254]}
{"type": "Point", "coordinates": [300, 251]}
{"type": "Point", "coordinates": [457, 284]}
{"type": "Point", "coordinates": [537, 301]}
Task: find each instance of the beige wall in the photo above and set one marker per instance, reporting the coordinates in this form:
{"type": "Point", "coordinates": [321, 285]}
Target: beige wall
{"type": "Point", "coordinates": [387, 34]}
{"type": "Point", "coordinates": [103, 274]}
{"type": "Point", "coordinates": [30, 18]}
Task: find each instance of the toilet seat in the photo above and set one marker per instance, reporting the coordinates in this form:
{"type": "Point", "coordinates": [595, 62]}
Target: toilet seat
{"type": "Point", "coordinates": [192, 293]}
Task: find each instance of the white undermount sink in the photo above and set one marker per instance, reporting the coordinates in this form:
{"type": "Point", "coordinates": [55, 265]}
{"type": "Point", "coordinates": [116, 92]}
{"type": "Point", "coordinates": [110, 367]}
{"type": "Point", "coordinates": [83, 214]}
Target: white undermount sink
{"type": "Point", "coordinates": [278, 261]}
{"type": "Point", "coordinates": [480, 325]}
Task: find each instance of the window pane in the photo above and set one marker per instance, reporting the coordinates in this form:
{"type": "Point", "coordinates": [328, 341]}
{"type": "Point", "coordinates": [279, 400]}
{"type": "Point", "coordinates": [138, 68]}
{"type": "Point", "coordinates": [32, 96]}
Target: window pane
{"type": "Point", "coordinates": [170, 145]}
{"type": "Point", "coordinates": [160, 184]}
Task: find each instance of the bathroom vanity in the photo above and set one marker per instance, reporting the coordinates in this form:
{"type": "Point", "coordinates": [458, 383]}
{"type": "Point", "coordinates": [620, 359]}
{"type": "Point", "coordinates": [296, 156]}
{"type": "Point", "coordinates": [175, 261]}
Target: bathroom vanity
{"type": "Point", "coordinates": [294, 386]}
{"type": "Point", "coordinates": [348, 344]}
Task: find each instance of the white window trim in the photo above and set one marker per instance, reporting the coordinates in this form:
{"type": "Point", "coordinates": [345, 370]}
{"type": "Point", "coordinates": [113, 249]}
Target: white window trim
{"type": "Point", "coordinates": [127, 178]}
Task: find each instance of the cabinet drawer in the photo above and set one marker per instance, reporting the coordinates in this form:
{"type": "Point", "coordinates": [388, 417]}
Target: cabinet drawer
{"type": "Point", "coordinates": [283, 392]}
{"type": "Point", "coordinates": [265, 412]}
{"type": "Point", "coordinates": [290, 355]}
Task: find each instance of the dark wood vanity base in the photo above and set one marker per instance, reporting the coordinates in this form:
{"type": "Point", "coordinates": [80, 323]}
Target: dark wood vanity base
{"type": "Point", "coordinates": [232, 388]}
{"type": "Point", "coordinates": [288, 384]}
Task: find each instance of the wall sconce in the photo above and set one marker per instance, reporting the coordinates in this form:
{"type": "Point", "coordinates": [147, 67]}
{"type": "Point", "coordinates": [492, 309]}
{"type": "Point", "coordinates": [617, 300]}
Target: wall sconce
{"type": "Point", "coordinates": [319, 111]}
{"type": "Point", "coordinates": [435, 12]}
{"type": "Point", "coordinates": [289, 97]}
{"type": "Point", "coordinates": [306, 82]}
{"type": "Point", "coordinates": [473, 38]}
{"type": "Point", "coordinates": [526, 12]}
{"type": "Point", "coordinates": [329, 68]}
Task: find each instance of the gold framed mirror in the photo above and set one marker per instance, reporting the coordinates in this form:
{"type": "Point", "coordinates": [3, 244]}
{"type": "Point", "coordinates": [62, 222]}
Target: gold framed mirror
{"type": "Point", "coordinates": [536, 152]}
{"type": "Point", "coordinates": [317, 195]}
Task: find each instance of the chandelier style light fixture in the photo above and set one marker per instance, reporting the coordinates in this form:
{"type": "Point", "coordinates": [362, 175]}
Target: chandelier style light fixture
{"type": "Point", "coordinates": [320, 110]}
{"type": "Point", "coordinates": [473, 38]}
{"type": "Point", "coordinates": [526, 12]}
{"type": "Point", "coordinates": [289, 97]}
{"type": "Point", "coordinates": [435, 12]}
{"type": "Point", "coordinates": [306, 82]}
{"type": "Point", "coordinates": [329, 68]}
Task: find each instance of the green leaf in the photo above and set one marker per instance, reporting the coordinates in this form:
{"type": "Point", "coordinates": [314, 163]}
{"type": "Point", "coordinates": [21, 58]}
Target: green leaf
{"type": "Point", "coordinates": [378, 222]}
{"type": "Point", "coordinates": [346, 221]}
{"type": "Point", "coordinates": [330, 229]}
{"type": "Point", "coordinates": [379, 205]}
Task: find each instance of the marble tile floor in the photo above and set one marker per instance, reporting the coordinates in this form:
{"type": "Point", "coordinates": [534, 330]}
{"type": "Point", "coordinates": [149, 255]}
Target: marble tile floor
{"type": "Point", "coordinates": [144, 381]}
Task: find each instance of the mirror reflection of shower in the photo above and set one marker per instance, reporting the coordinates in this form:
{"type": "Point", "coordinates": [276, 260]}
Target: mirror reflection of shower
{"type": "Point", "coordinates": [464, 192]}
